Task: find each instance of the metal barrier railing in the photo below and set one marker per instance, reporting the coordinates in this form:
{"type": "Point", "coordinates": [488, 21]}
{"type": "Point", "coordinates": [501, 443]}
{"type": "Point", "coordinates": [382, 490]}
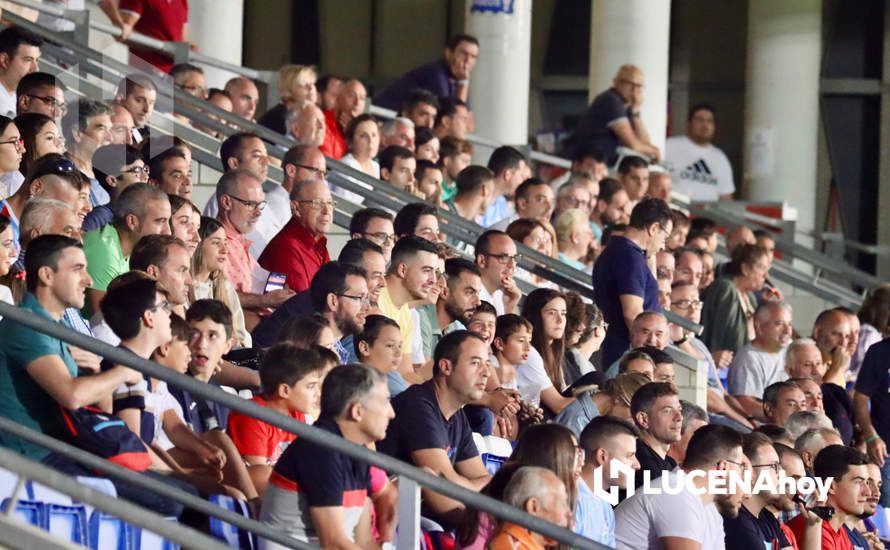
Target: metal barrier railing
{"type": "Point", "coordinates": [167, 491]}
{"type": "Point", "coordinates": [407, 472]}
{"type": "Point", "coordinates": [386, 196]}
{"type": "Point", "coordinates": [29, 469]}
{"type": "Point", "coordinates": [820, 261]}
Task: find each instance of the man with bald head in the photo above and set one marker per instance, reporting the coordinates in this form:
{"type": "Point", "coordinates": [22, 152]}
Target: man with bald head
{"type": "Point", "coordinates": [244, 95]}
{"type": "Point", "coordinates": [350, 103]}
{"type": "Point", "coordinates": [121, 125]}
{"type": "Point", "coordinates": [613, 119]}
{"type": "Point", "coordinates": [831, 331]}
{"type": "Point", "coordinates": [735, 237]}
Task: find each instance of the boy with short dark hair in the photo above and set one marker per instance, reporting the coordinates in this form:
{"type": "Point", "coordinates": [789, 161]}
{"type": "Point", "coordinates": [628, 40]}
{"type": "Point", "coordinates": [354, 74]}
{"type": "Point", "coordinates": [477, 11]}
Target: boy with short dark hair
{"type": "Point", "coordinates": [512, 341]}
{"type": "Point", "coordinates": [291, 384]}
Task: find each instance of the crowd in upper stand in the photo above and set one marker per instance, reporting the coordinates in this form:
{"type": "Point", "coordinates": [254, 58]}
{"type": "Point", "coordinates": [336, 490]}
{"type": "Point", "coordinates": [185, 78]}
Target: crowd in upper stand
{"type": "Point", "coordinates": [410, 342]}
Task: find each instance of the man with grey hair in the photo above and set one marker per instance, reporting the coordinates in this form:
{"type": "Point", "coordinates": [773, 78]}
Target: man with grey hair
{"type": "Point", "coordinates": [397, 131]}
{"type": "Point", "coordinates": [141, 209]}
{"type": "Point", "coordinates": [86, 128]}
{"type": "Point", "coordinates": [316, 494]}
{"type": "Point", "coordinates": [306, 124]}
{"type": "Point", "coordinates": [301, 247]}
{"type": "Point", "coordinates": [574, 194]}
{"type": "Point", "coordinates": [240, 198]}
{"type": "Point", "coordinates": [573, 237]}
{"type": "Point", "coordinates": [539, 492]}
{"type": "Point", "coordinates": [804, 360]}
{"type": "Point", "coordinates": [809, 443]}
{"type": "Point", "coordinates": [46, 217]}
{"type": "Point", "coordinates": [803, 421]}
{"type": "Point", "coordinates": [761, 362]}
{"type": "Point", "coordinates": [781, 400]}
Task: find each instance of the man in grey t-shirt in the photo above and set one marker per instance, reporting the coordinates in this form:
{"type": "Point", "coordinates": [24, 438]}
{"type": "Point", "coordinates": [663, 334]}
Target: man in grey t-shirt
{"type": "Point", "coordinates": [762, 361]}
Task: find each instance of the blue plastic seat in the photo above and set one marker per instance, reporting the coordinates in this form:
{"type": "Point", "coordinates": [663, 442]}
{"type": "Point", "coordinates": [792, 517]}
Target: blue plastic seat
{"type": "Point", "coordinates": [108, 532]}
{"type": "Point", "coordinates": [146, 540]}
{"type": "Point", "coordinates": [8, 481]}
{"type": "Point", "coordinates": [68, 522]}
{"type": "Point", "coordinates": [41, 493]}
{"type": "Point", "coordinates": [29, 511]}
{"type": "Point", "coordinates": [226, 532]}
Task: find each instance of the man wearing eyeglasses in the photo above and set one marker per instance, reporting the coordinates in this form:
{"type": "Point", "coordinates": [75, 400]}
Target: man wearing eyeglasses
{"type": "Point", "coordinates": [613, 119]}
{"type": "Point", "coordinates": [755, 527]}
{"type": "Point", "coordinates": [301, 247]}
{"type": "Point", "coordinates": [496, 257]}
{"type": "Point", "coordinates": [240, 201]}
{"type": "Point", "coordinates": [375, 225]}
{"type": "Point", "coordinates": [41, 93]}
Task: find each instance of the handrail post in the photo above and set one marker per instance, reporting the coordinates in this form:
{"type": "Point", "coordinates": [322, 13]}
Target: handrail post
{"type": "Point", "coordinates": [408, 533]}
{"type": "Point", "coordinates": [181, 52]}
{"type": "Point", "coordinates": [81, 20]}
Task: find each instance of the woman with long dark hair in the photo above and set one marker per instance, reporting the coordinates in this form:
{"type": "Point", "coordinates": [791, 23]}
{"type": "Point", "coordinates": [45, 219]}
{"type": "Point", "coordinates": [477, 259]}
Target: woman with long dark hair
{"type": "Point", "coordinates": [8, 255]}
{"type": "Point", "coordinates": [12, 149]}
{"type": "Point", "coordinates": [540, 379]}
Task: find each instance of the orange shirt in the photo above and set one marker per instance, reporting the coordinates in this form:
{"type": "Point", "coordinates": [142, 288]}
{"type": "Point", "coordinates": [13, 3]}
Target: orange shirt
{"type": "Point", "coordinates": [514, 537]}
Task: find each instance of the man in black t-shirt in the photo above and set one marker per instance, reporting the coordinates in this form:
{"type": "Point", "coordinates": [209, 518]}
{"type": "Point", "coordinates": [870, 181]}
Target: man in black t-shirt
{"type": "Point", "coordinates": [751, 529]}
{"type": "Point", "coordinates": [431, 430]}
{"type": "Point", "coordinates": [656, 410]}
{"type": "Point", "coordinates": [613, 119]}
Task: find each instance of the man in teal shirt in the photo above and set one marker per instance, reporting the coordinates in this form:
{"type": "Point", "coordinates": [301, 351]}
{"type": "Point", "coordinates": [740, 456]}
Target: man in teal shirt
{"type": "Point", "coordinates": [37, 373]}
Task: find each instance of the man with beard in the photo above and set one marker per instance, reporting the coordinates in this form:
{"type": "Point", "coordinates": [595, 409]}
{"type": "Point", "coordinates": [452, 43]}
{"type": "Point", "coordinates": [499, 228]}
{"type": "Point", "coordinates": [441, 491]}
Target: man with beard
{"type": "Point", "coordinates": [460, 297]}
{"type": "Point", "coordinates": [340, 293]}
{"type": "Point", "coordinates": [612, 206]}
{"type": "Point", "coordinates": [411, 277]}
{"type": "Point", "coordinates": [751, 529]}
{"type": "Point", "coordinates": [847, 494]}
{"type": "Point", "coordinates": [431, 429]}
{"type": "Point", "coordinates": [684, 519]}
{"type": "Point", "coordinates": [360, 253]}
{"type": "Point", "coordinates": [656, 411]}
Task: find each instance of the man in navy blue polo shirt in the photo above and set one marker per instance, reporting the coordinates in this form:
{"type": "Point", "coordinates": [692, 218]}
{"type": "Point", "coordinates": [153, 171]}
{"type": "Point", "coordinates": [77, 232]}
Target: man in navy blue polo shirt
{"type": "Point", "coordinates": [613, 119]}
{"type": "Point", "coordinates": [624, 282]}
{"type": "Point", "coordinates": [871, 406]}
{"type": "Point", "coordinates": [316, 494]}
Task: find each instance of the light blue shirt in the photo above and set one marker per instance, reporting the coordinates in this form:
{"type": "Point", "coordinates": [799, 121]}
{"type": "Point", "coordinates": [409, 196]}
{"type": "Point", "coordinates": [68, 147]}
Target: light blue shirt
{"type": "Point", "coordinates": [594, 517]}
{"type": "Point", "coordinates": [497, 211]}
{"type": "Point", "coordinates": [98, 195]}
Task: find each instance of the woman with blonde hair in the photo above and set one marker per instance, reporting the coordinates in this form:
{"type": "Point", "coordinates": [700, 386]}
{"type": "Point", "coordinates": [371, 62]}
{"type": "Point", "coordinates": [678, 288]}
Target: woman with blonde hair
{"type": "Point", "coordinates": [296, 83]}
{"type": "Point", "coordinates": [209, 281]}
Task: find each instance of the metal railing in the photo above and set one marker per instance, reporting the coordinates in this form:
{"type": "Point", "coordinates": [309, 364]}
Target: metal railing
{"type": "Point", "coordinates": [822, 263]}
{"type": "Point", "coordinates": [321, 437]}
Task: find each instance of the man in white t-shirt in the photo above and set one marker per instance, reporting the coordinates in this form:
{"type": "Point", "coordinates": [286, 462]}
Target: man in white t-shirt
{"type": "Point", "coordinates": [19, 55]}
{"type": "Point", "coordinates": [697, 167]}
{"type": "Point", "coordinates": [497, 258]}
{"type": "Point", "coordinates": [685, 520]}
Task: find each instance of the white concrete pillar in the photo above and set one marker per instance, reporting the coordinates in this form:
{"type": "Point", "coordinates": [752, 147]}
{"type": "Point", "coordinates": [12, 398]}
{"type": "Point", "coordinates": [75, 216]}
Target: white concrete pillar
{"type": "Point", "coordinates": [633, 32]}
{"type": "Point", "coordinates": [217, 27]}
{"type": "Point", "coordinates": [500, 82]}
{"type": "Point", "coordinates": [782, 103]}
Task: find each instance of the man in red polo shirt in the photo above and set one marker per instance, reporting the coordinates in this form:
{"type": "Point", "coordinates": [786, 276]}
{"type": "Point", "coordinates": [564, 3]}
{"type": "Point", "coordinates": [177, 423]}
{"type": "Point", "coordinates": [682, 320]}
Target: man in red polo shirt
{"type": "Point", "coordinates": [300, 248]}
{"type": "Point", "coordinates": [350, 103]}
{"type": "Point", "coordinates": [162, 19]}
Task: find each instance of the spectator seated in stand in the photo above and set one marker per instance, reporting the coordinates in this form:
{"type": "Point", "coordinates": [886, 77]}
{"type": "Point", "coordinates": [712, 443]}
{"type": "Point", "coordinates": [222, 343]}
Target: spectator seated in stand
{"type": "Point", "coordinates": [291, 383]}
{"type": "Point", "coordinates": [116, 167]}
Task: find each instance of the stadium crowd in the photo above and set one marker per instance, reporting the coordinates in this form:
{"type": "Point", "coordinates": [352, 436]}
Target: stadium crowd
{"type": "Point", "coordinates": [409, 342]}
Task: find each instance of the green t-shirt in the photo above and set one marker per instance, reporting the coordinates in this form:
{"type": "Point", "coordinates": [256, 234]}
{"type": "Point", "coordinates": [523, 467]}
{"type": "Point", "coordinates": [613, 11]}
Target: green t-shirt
{"type": "Point", "coordinates": [105, 261]}
{"type": "Point", "coordinates": [24, 401]}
